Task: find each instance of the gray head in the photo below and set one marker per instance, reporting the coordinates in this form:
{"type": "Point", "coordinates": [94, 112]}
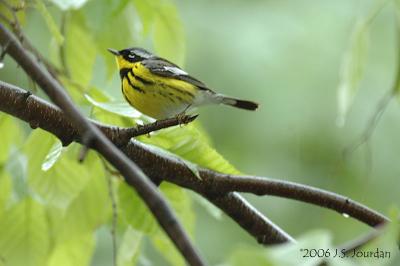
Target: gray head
{"type": "Point", "coordinates": [134, 54]}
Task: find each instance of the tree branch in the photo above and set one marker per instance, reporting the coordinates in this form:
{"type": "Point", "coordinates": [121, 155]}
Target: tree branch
{"type": "Point", "coordinates": [39, 113]}
{"type": "Point", "coordinates": [131, 172]}
{"type": "Point", "coordinates": [215, 186]}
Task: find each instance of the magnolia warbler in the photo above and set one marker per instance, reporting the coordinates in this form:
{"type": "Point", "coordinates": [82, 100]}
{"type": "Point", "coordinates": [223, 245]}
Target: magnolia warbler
{"type": "Point", "coordinates": [160, 89]}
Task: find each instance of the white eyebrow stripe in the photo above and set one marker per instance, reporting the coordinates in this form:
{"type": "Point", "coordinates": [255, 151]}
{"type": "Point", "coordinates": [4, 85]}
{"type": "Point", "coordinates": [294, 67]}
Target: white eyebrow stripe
{"type": "Point", "coordinates": [175, 70]}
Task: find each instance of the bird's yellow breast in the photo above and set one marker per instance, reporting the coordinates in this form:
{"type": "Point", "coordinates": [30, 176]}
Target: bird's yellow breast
{"type": "Point", "coordinates": [154, 95]}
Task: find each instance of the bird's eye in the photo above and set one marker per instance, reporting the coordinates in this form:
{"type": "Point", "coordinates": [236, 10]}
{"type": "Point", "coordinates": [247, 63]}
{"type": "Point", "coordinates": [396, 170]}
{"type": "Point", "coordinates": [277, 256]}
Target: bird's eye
{"type": "Point", "coordinates": [131, 56]}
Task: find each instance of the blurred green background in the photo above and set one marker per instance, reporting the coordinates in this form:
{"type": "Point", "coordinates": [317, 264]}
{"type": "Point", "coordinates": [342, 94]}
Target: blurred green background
{"type": "Point", "coordinates": [286, 55]}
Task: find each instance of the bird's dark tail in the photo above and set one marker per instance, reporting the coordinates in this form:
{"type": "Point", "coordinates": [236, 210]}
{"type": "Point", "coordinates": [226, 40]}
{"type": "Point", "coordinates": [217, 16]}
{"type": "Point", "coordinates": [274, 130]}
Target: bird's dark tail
{"type": "Point", "coordinates": [242, 104]}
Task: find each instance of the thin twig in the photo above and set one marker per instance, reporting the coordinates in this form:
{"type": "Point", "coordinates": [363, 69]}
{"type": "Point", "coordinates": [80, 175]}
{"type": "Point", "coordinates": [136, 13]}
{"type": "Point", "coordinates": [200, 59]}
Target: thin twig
{"type": "Point", "coordinates": [371, 124]}
{"type": "Point", "coordinates": [121, 136]}
{"type": "Point", "coordinates": [17, 29]}
{"type": "Point", "coordinates": [131, 172]}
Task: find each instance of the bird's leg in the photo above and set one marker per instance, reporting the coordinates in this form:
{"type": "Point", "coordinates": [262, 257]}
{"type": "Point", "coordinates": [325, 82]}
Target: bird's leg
{"type": "Point", "coordinates": [182, 117]}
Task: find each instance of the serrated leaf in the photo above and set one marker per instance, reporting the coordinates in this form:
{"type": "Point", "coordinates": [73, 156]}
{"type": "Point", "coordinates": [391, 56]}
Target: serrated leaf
{"type": "Point", "coordinates": [24, 238]}
{"type": "Point", "coordinates": [69, 4]}
{"type": "Point", "coordinates": [353, 63]}
{"type": "Point", "coordinates": [53, 155]}
{"type": "Point", "coordinates": [75, 251]}
{"type": "Point", "coordinates": [129, 248]}
{"type": "Point", "coordinates": [80, 51]}
{"type": "Point", "coordinates": [51, 24]}
{"type": "Point", "coordinates": [119, 108]}
{"type": "Point", "coordinates": [168, 35]}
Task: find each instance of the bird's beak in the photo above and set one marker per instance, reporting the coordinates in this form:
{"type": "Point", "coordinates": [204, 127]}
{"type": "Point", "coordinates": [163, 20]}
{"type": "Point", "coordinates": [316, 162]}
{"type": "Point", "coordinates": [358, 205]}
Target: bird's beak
{"type": "Point", "coordinates": [114, 52]}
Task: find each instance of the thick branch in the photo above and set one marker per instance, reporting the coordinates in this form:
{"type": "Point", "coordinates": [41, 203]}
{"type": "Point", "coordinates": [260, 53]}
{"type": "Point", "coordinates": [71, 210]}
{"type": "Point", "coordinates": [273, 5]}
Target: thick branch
{"type": "Point", "coordinates": [131, 172]}
{"type": "Point", "coordinates": [213, 185]}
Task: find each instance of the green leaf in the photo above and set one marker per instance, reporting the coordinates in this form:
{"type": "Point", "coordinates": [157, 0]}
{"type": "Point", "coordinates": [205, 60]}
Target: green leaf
{"type": "Point", "coordinates": [168, 35]}
{"type": "Point", "coordinates": [133, 211]}
{"type": "Point", "coordinates": [75, 251]}
{"type": "Point", "coordinates": [17, 167]}
{"type": "Point", "coordinates": [80, 51]}
{"type": "Point", "coordinates": [92, 207]}
{"type": "Point", "coordinates": [69, 4]}
{"type": "Point", "coordinates": [111, 27]}
{"type": "Point", "coordinates": [145, 10]}
{"type": "Point", "coordinates": [119, 108]}
{"type": "Point", "coordinates": [10, 136]}
{"type": "Point", "coordinates": [190, 144]}
{"type": "Point", "coordinates": [164, 153]}
{"type": "Point", "coordinates": [129, 248]}
{"type": "Point", "coordinates": [61, 180]}
{"type": "Point", "coordinates": [353, 63]}
{"type": "Point", "coordinates": [5, 190]}
{"type": "Point", "coordinates": [24, 238]}
{"type": "Point", "coordinates": [53, 155]}
{"type": "Point", "coordinates": [51, 24]}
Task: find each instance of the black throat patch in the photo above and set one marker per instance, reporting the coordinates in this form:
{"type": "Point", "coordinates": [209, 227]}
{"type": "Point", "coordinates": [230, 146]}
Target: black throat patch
{"type": "Point", "coordinates": [123, 72]}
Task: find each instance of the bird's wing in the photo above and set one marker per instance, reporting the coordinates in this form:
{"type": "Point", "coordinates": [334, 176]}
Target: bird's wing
{"type": "Point", "coordinates": [164, 68]}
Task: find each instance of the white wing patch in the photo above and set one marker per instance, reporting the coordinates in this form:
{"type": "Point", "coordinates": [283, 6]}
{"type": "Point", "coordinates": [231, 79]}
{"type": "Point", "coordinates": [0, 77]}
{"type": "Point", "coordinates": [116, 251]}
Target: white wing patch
{"type": "Point", "coordinates": [175, 70]}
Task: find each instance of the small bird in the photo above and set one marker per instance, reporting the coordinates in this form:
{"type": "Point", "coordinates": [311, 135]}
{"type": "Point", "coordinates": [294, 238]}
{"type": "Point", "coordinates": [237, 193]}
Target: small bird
{"type": "Point", "coordinates": [160, 89]}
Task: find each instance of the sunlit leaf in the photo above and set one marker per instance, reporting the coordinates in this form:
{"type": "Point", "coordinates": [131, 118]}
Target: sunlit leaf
{"type": "Point", "coordinates": [129, 248]}
{"type": "Point", "coordinates": [52, 156]}
{"type": "Point", "coordinates": [24, 238]}
{"type": "Point", "coordinates": [69, 4]}
{"type": "Point", "coordinates": [188, 143]}
{"type": "Point", "coordinates": [119, 108]}
{"type": "Point", "coordinates": [353, 63]}
{"type": "Point", "coordinates": [164, 153]}
{"type": "Point", "coordinates": [75, 251]}
{"type": "Point", "coordinates": [51, 24]}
